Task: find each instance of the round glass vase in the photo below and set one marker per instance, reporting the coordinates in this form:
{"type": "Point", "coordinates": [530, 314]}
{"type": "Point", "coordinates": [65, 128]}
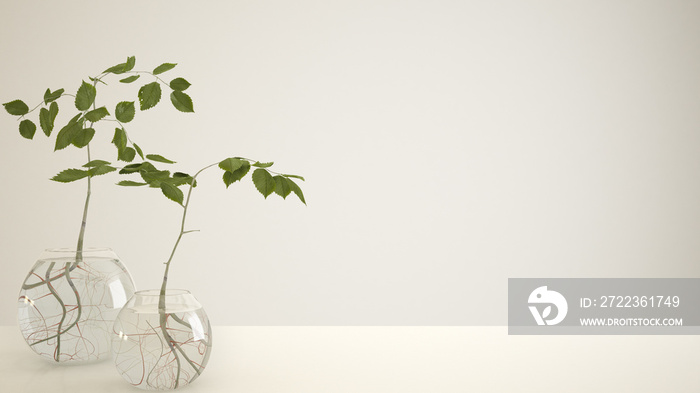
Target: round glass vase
{"type": "Point", "coordinates": [68, 303]}
{"type": "Point", "coordinates": [161, 342]}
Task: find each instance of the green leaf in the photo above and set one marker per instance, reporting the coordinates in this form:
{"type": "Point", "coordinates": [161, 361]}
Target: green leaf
{"type": "Point", "coordinates": [139, 151]}
{"type": "Point", "coordinates": [125, 111]}
{"type": "Point", "coordinates": [296, 190]}
{"type": "Point", "coordinates": [119, 139]}
{"type": "Point", "coordinates": [231, 164]}
{"type": "Point", "coordinates": [127, 155]}
{"type": "Point", "coordinates": [164, 67]}
{"type": "Point", "coordinates": [83, 137]}
{"type": "Point", "coordinates": [149, 95]}
{"type": "Point", "coordinates": [97, 114]}
{"type": "Point", "coordinates": [131, 168]}
{"type": "Point", "coordinates": [95, 163]}
{"type": "Point", "coordinates": [229, 178]}
{"type": "Point", "coordinates": [129, 183]}
{"type": "Point", "coordinates": [52, 96]}
{"type": "Point", "coordinates": [295, 176]}
{"type": "Point", "coordinates": [181, 101]}
{"type": "Point", "coordinates": [70, 175]}
{"type": "Point", "coordinates": [263, 164]}
{"type": "Point", "coordinates": [122, 67]}
{"type": "Point", "coordinates": [142, 166]}
{"type": "Point", "coordinates": [27, 128]}
{"type": "Point", "coordinates": [180, 178]}
{"type": "Point", "coordinates": [44, 121]}
{"type": "Point", "coordinates": [53, 112]}
{"type": "Point", "coordinates": [129, 79]}
{"type": "Point", "coordinates": [263, 182]}
{"type": "Point", "coordinates": [159, 158]}
{"type": "Point", "coordinates": [238, 174]}
{"type": "Point", "coordinates": [47, 117]}
{"type": "Point", "coordinates": [85, 96]}
{"type": "Point", "coordinates": [154, 177]}
{"type": "Point", "coordinates": [68, 132]}
{"type": "Point", "coordinates": [172, 192]}
{"type": "Point", "coordinates": [179, 84]}
{"type": "Point", "coordinates": [282, 186]}
{"type": "Point", "coordinates": [101, 170]}
{"type": "Point", "coordinates": [16, 107]}
{"type": "Point", "coordinates": [130, 63]}
{"type": "Point", "coordinates": [117, 69]}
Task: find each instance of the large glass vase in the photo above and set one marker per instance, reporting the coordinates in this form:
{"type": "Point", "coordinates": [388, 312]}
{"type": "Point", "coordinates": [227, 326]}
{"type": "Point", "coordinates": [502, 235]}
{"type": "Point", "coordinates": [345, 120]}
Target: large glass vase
{"type": "Point", "coordinates": [68, 303]}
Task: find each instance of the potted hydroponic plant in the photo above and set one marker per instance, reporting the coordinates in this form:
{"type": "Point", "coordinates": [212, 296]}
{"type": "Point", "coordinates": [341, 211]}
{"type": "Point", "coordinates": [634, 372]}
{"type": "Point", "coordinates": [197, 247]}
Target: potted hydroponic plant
{"type": "Point", "coordinates": [162, 338]}
{"type": "Point", "coordinates": [70, 297]}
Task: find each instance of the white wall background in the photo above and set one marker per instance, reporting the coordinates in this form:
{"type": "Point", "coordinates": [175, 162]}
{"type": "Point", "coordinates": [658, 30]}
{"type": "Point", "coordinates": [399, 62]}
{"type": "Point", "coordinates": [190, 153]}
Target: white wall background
{"type": "Point", "coordinates": [447, 146]}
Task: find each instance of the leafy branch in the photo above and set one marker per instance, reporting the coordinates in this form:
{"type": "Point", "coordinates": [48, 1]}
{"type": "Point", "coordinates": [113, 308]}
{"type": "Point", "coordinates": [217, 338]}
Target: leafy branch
{"type": "Point", "coordinates": [80, 130]}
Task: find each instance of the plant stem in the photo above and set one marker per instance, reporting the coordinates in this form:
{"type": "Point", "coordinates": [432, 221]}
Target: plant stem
{"type": "Point", "coordinates": [161, 299]}
{"type": "Point", "coordinates": [81, 236]}
{"type": "Point", "coordinates": [161, 302]}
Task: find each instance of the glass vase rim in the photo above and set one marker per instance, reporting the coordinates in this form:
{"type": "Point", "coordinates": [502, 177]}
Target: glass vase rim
{"type": "Point", "coordinates": [74, 250]}
{"type": "Point", "coordinates": [156, 292]}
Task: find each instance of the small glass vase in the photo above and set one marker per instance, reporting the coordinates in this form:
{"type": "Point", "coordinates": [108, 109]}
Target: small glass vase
{"type": "Point", "coordinates": [67, 303]}
{"type": "Point", "coordinates": [156, 349]}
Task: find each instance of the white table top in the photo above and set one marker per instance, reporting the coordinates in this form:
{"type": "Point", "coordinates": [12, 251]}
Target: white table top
{"type": "Point", "coordinates": [393, 359]}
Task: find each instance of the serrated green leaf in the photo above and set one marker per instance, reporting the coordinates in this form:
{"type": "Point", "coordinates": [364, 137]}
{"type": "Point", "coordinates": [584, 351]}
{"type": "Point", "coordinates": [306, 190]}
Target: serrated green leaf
{"type": "Point", "coordinates": [50, 96]}
{"type": "Point", "coordinates": [181, 101]}
{"type": "Point", "coordinates": [83, 137]}
{"type": "Point", "coordinates": [137, 167]}
{"type": "Point", "coordinates": [85, 96]}
{"type": "Point", "coordinates": [179, 84]}
{"type": "Point", "coordinates": [27, 129]}
{"type": "Point", "coordinates": [95, 163]}
{"type": "Point", "coordinates": [101, 170]}
{"type": "Point", "coordinates": [238, 174]}
{"type": "Point", "coordinates": [122, 67]}
{"type": "Point", "coordinates": [263, 182]}
{"type": "Point", "coordinates": [68, 132]}
{"type": "Point", "coordinates": [70, 175]}
{"type": "Point", "coordinates": [130, 79]}
{"type": "Point", "coordinates": [130, 63]}
{"type": "Point", "coordinates": [53, 112]}
{"type": "Point", "coordinates": [159, 158]}
{"type": "Point", "coordinates": [171, 192]}
{"type": "Point", "coordinates": [16, 107]}
{"type": "Point", "coordinates": [127, 155]}
{"type": "Point", "coordinates": [231, 164]}
{"type": "Point", "coordinates": [154, 178]}
{"type": "Point", "coordinates": [263, 164]}
{"type": "Point", "coordinates": [164, 67]}
{"type": "Point", "coordinates": [131, 168]}
{"type": "Point", "coordinates": [117, 69]}
{"type": "Point", "coordinates": [119, 139]}
{"type": "Point", "coordinates": [97, 114]}
{"type": "Point", "coordinates": [282, 186]}
{"type": "Point", "coordinates": [139, 151]}
{"type": "Point", "coordinates": [295, 176]}
{"type": "Point", "coordinates": [125, 111]}
{"type": "Point", "coordinates": [45, 121]}
{"type": "Point", "coordinates": [47, 118]}
{"type": "Point", "coordinates": [129, 183]}
{"type": "Point", "coordinates": [229, 178]}
{"type": "Point", "coordinates": [149, 95]}
{"type": "Point", "coordinates": [296, 190]}
{"type": "Point", "coordinates": [180, 178]}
